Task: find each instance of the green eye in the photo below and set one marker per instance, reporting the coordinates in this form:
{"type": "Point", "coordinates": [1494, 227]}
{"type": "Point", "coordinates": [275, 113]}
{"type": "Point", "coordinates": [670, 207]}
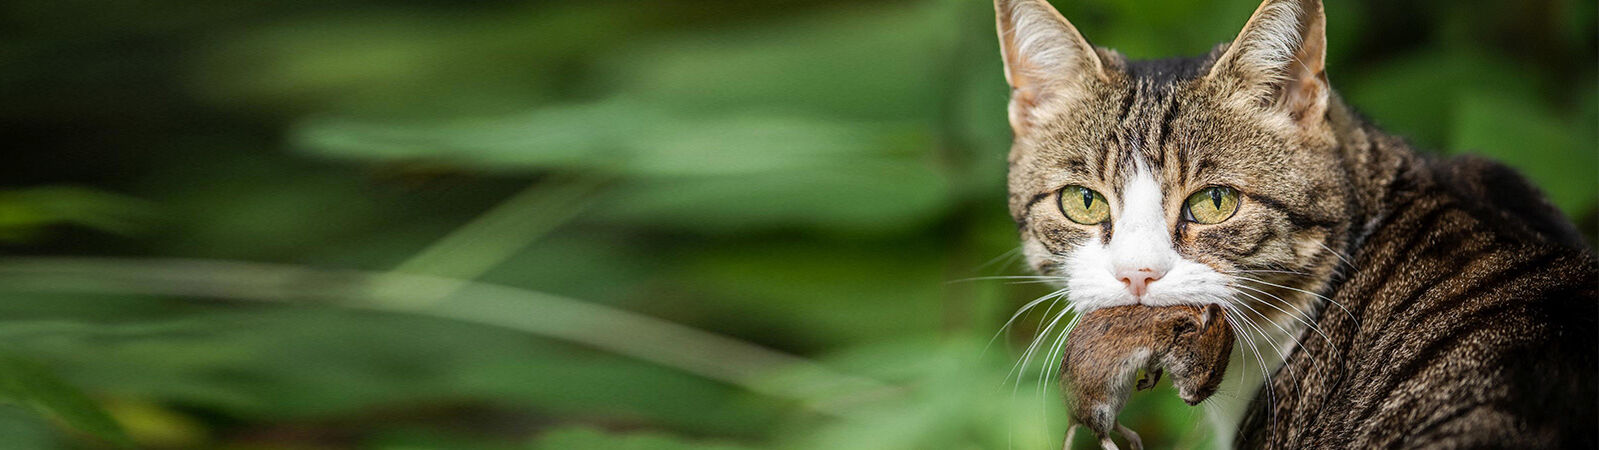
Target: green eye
{"type": "Point", "coordinates": [1211, 205]}
{"type": "Point", "coordinates": [1083, 205]}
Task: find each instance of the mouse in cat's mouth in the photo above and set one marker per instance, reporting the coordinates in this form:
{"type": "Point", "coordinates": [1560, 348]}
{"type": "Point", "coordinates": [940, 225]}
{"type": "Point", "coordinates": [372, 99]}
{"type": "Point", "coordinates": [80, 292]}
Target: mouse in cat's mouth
{"type": "Point", "coordinates": [1110, 345]}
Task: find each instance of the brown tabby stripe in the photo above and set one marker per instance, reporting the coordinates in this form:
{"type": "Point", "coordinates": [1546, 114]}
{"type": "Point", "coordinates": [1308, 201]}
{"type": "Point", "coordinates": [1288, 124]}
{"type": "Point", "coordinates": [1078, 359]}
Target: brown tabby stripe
{"type": "Point", "coordinates": [1456, 320]}
{"type": "Point", "coordinates": [1465, 316]}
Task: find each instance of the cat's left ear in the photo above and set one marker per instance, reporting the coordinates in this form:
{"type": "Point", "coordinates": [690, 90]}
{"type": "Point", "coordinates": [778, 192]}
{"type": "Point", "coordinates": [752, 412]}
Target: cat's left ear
{"type": "Point", "coordinates": [1279, 61]}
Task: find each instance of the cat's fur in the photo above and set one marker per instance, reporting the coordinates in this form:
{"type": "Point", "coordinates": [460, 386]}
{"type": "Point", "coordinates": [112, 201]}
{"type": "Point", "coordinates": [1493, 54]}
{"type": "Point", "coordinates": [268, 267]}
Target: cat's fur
{"type": "Point", "coordinates": [1453, 306]}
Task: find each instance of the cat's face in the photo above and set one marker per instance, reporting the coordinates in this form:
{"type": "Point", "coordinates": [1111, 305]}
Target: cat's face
{"type": "Point", "coordinates": [1197, 181]}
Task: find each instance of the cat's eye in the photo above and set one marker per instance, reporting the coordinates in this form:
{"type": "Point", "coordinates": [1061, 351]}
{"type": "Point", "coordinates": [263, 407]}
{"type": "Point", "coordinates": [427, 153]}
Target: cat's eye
{"type": "Point", "coordinates": [1084, 205]}
{"type": "Point", "coordinates": [1211, 205]}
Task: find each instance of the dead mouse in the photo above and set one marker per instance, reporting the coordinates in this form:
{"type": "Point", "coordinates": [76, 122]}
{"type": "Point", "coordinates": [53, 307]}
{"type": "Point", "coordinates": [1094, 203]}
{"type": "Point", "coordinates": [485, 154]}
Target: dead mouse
{"type": "Point", "coordinates": [1110, 345]}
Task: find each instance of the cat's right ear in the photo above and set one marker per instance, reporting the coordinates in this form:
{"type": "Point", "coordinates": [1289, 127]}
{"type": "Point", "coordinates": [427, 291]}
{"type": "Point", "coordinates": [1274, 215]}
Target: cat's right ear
{"type": "Point", "coordinates": [1046, 59]}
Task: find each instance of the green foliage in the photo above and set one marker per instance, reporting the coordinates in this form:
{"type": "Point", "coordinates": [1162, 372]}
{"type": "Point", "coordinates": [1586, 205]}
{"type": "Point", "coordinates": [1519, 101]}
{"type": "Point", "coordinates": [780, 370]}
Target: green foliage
{"type": "Point", "coordinates": [28, 384]}
{"type": "Point", "coordinates": [686, 224]}
{"type": "Point", "coordinates": [579, 438]}
{"type": "Point", "coordinates": [24, 213]}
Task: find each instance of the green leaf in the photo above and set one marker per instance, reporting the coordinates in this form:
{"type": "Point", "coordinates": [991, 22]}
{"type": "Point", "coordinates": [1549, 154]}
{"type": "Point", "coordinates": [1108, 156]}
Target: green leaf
{"type": "Point", "coordinates": [31, 385]}
{"type": "Point", "coordinates": [618, 136]}
{"type": "Point", "coordinates": [1415, 95]}
{"type": "Point", "coordinates": [709, 172]}
{"type": "Point", "coordinates": [821, 294]}
{"type": "Point", "coordinates": [868, 197]}
{"type": "Point", "coordinates": [582, 438]}
{"type": "Point", "coordinates": [276, 364]}
{"type": "Point", "coordinates": [839, 63]}
{"type": "Point", "coordinates": [25, 211]}
{"type": "Point", "coordinates": [1540, 143]}
{"type": "Point", "coordinates": [407, 61]}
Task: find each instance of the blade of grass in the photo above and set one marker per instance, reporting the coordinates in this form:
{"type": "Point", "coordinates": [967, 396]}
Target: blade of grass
{"type": "Point", "coordinates": [713, 356]}
{"type": "Point", "coordinates": [29, 384]}
{"type": "Point", "coordinates": [497, 234]}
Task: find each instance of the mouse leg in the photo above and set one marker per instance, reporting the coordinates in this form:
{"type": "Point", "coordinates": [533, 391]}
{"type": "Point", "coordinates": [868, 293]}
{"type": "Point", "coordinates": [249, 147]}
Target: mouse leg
{"type": "Point", "coordinates": [1132, 438]}
{"type": "Point", "coordinates": [1150, 379]}
{"type": "Point", "coordinates": [1070, 431]}
{"type": "Point", "coordinates": [1105, 442]}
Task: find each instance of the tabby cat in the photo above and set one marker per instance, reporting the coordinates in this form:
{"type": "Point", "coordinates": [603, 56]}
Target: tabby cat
{"type": "Point", "coordinates": [1425, 302]}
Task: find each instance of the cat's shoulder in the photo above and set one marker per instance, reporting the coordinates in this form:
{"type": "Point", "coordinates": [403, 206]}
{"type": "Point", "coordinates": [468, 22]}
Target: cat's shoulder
{"type": "Point", "coordinates": [1468, 232]}
{"type": "Point", "coordinates": [1493, 197]}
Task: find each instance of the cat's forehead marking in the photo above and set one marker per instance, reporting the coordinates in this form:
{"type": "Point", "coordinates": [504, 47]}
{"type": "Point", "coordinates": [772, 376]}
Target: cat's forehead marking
{"type": "Point", "coordinates": [1140, 134]}
{"type": "Point", "coordinates": [1147, 110]}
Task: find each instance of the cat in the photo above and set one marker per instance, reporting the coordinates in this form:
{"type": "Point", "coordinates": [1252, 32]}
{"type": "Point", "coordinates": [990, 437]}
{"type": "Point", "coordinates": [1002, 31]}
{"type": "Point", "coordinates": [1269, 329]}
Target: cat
{"type": "Point", "coordinates": [1428, 302]}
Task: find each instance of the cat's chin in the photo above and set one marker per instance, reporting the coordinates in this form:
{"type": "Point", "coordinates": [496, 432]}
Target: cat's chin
{"type": "Point", "coordinates": [1161, 301]}
{"type": "Point", "coordinates": [1174, 300]}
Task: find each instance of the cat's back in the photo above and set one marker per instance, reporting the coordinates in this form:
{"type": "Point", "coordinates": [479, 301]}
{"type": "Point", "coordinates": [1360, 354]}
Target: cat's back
{"type": "Point", "coordinates": [1462, 292]}
{"type": "Point", "coordinates": [1500, 199]}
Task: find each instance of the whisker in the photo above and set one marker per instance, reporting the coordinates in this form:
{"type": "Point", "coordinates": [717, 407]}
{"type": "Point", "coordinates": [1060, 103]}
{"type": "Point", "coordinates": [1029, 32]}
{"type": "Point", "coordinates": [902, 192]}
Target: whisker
{"type": "Point", "coordinates": [1055, 282]}
{"type": "Point", "coordinates": [1060, 341]}
{"type": "Point", "coordinates": [1293, 374]}
{"type": "Point", "coordinates": [1271, 397]}
{"type": "Point", "coordinates": [1020, 368]}
{"type": "Point", "coordinates": [1297, 317]}
{"type": "Point", "coordinates": [1005, 256]}
{"type": "Point", "coordinates": [1226, 310]}
{"type": "Point", "coordinates": [1290, 272]}
{"type": "Point", "coordinates": [1037, 334]}
{"type": "Point", "coordinates": [1027, 355]}
{"type": "Point", "coordinates": [1297, 313]}
{"type": "Point", "coordinates": [1053, 349]}
{"type": "Point", "coordinates": [1007, 277]}
{"type": "Point", "coordinates": [1226, 396]}
{"type": "Point", "coordinates": [1264, 336]}
{"type": "Point", "coordinates": [1323, 297]}
{"type": "Point", "coordinates": [1339, 255]}
{"type": "Point", "coordinates": [1057, 294]}
{"type": "Point", "coordinates": [1044, 367]}
{"type": "Point", "coordinates": [1299, 343]}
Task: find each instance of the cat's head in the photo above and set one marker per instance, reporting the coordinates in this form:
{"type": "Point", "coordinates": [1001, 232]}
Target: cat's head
{"type": "Point", "coordinates": [1206, 180]}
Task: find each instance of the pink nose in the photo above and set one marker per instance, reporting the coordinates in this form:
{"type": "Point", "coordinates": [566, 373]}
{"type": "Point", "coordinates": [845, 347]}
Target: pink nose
{"type": "Point", "coordinates": [1137, 281]}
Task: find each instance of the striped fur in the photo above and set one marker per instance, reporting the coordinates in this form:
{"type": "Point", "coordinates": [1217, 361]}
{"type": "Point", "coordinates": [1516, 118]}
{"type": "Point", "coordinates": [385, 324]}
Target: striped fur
{"type": "Point", "coordinates": [1452, 306]}
{"type": "Point", "coordinates": [1476, 326]}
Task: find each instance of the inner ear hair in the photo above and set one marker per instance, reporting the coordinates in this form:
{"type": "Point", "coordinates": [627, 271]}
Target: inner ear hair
{"type": "Point", "coordinates": [1278, 61]}
{"type": "Point", "coordinates": [1045, 58]}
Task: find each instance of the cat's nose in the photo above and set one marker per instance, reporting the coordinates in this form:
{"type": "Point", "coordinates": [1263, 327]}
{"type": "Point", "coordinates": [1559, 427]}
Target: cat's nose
{"type": "Point", "coordinates": [1137, 280]}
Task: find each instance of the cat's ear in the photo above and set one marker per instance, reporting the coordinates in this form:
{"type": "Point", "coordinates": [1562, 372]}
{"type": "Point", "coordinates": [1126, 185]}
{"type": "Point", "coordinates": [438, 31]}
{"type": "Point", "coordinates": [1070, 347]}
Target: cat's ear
{"type": "Point", "coordinates": [1279, 61]}
{"type": "Point", "coordinates": [1046, 59]}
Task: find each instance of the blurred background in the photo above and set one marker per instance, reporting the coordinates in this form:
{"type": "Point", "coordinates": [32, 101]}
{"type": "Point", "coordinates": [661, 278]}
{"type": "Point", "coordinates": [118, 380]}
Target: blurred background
{"type": "Point", "coordinates": [673, 224]}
